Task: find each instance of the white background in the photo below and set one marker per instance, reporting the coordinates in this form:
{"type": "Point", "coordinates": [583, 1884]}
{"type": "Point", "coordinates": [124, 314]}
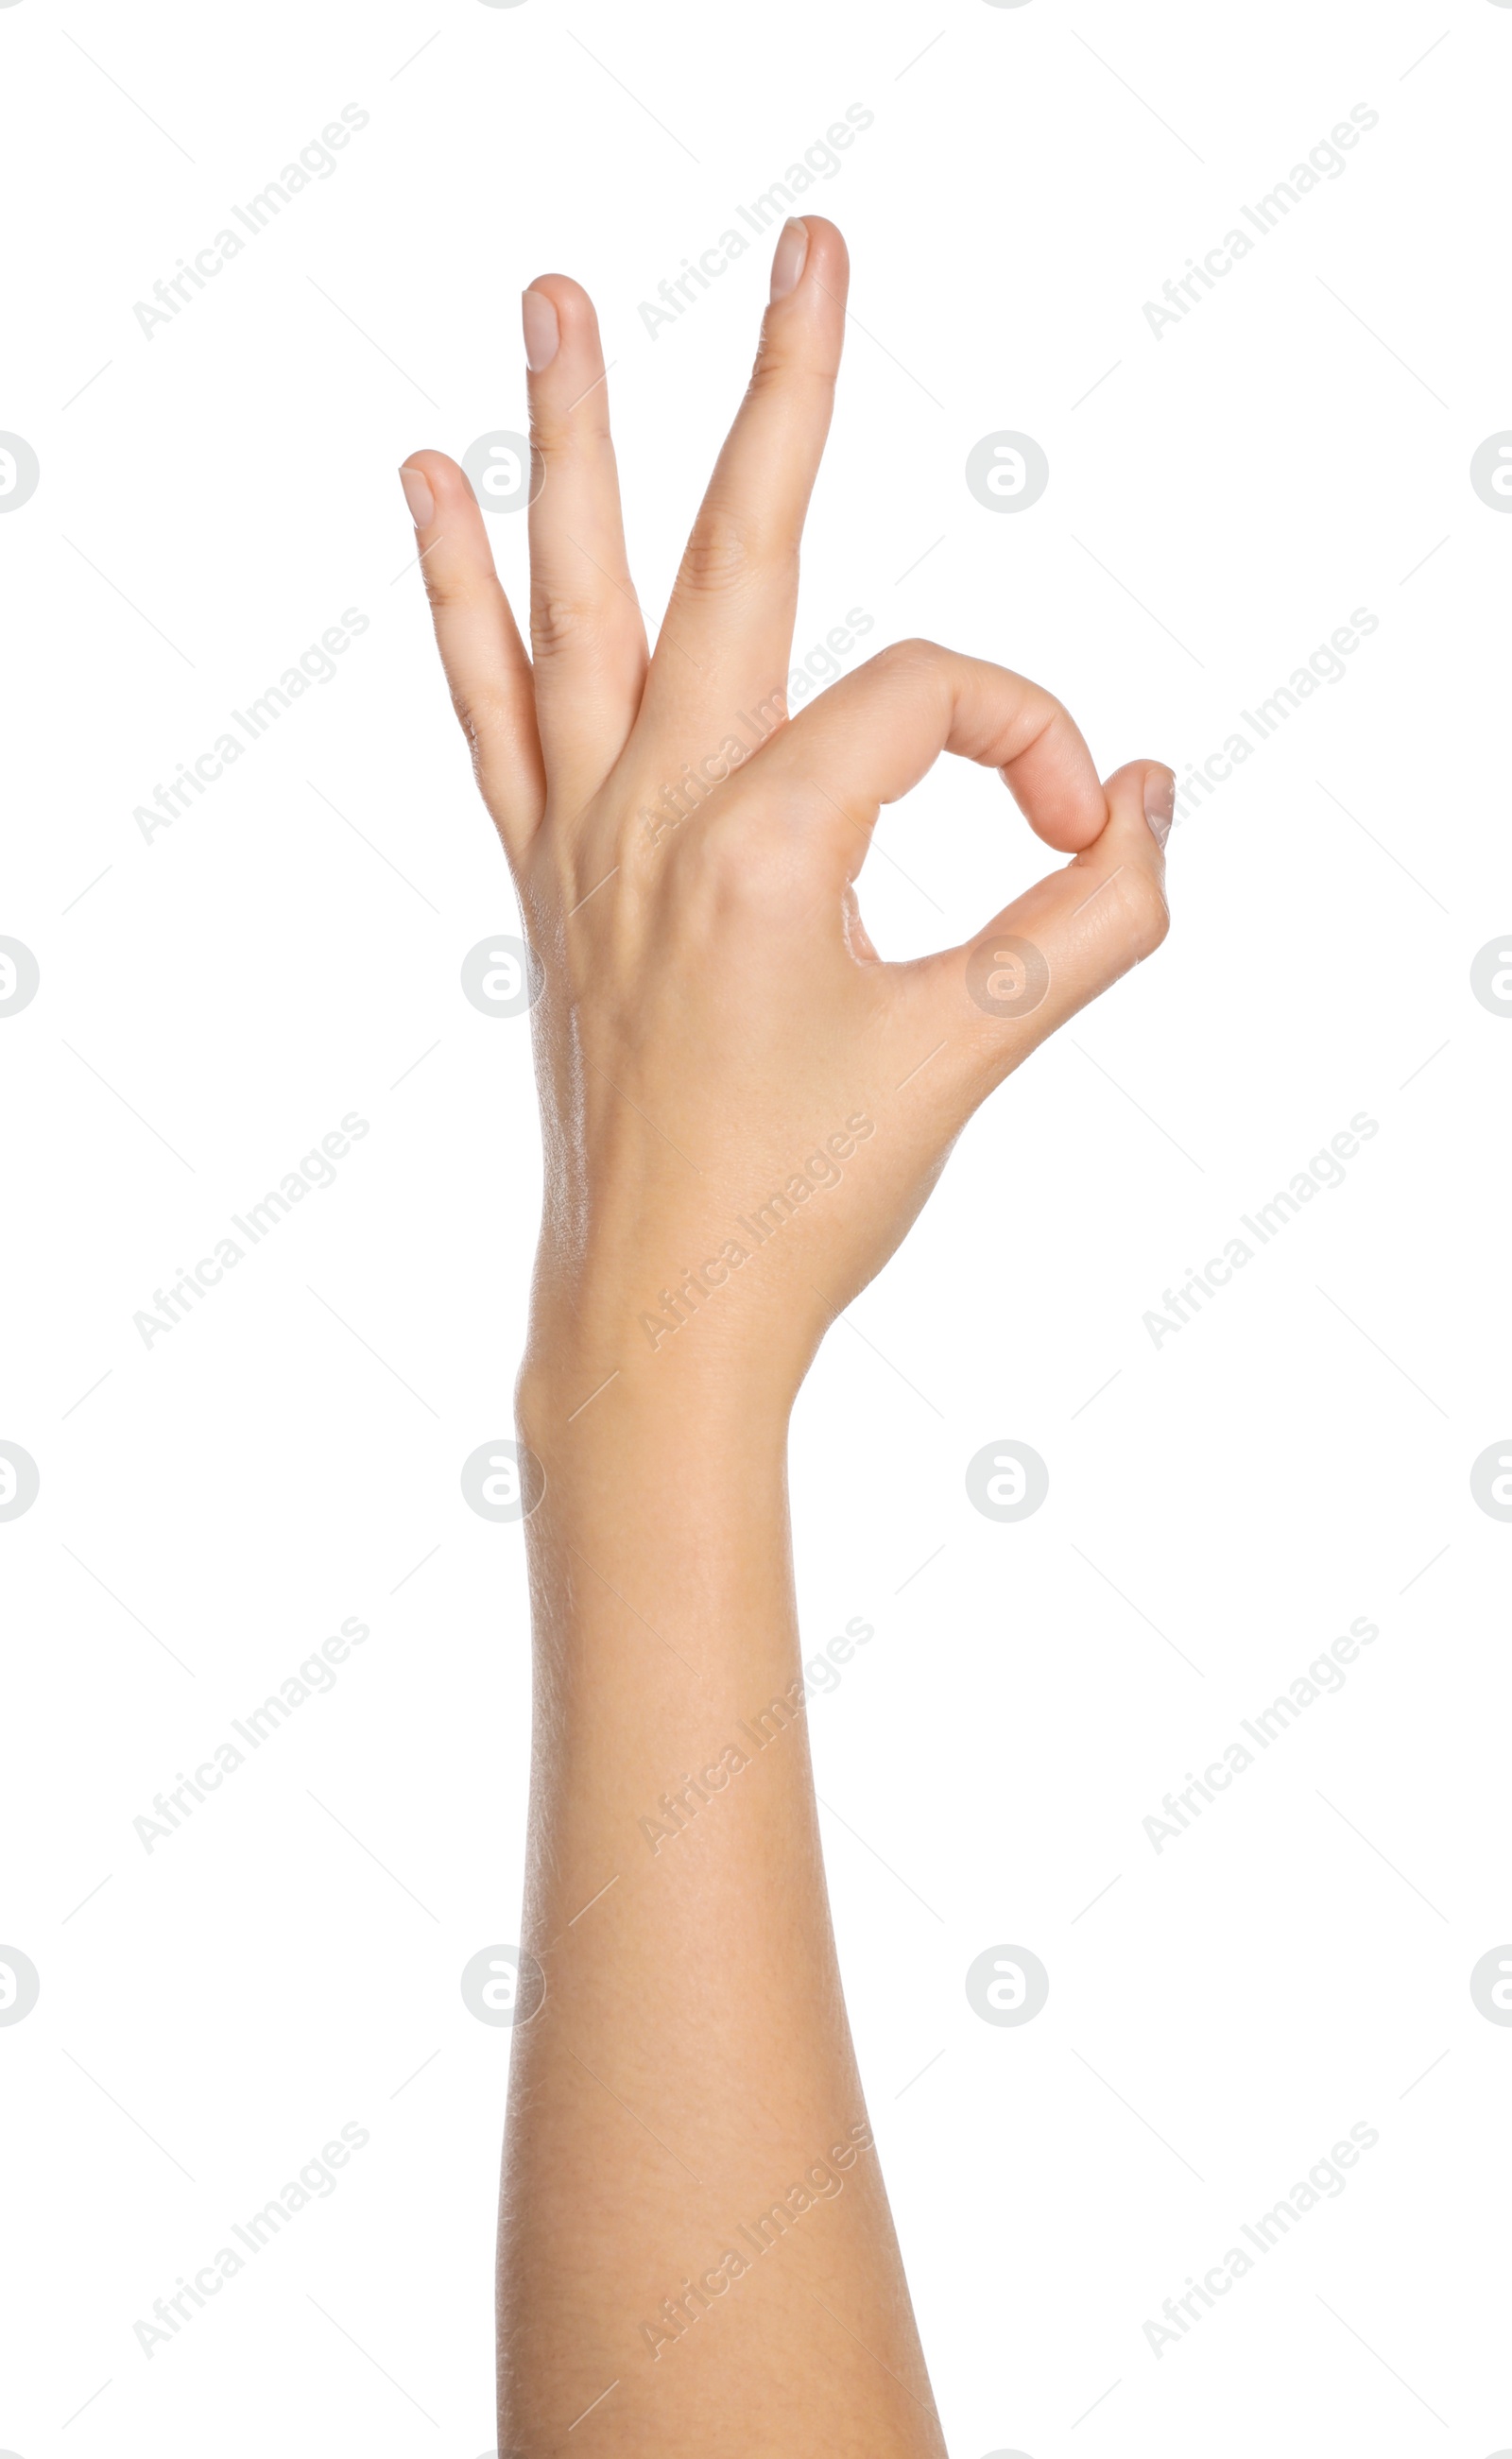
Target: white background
{"type": "Point", "coordinates": [214, 1001]}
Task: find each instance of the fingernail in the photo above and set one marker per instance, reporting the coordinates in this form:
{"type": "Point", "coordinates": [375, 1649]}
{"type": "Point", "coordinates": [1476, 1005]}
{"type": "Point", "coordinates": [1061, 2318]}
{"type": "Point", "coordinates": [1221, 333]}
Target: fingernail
{"type": "Point", "coordinates": [1160, 803]}
{"type": "Point", "coordinates": [792, 255]}
{"type": "Point", "coordinates": [542, 331]}
{"type": "Point", "coordinates": [418, 496]}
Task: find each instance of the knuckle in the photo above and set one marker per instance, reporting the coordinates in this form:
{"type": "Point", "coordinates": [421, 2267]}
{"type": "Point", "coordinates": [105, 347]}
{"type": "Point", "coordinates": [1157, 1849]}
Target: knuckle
{"type": "Point", "coordinates": [732, 869]}
{"type": "Point", "coordinates": [902, 659]}
{"type": "Point", "coordinates": [787, 371]}
{"type": "Point", "coordinates": [722, 556]}
{"type": "Point", "coordinates": [484, 713]}
{"type": "Point", "coordinates": [560, 622]}
{"type": "Point", "coordinates": [447, 591]}
{"type": "Point", "coordinates": [550, 432]}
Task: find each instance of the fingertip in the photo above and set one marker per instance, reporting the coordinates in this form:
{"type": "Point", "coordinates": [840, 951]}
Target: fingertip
{"type": "Point", "coordinates": [541, 328]}
{"type": "Point", "coordinates": [828, 252]}
{"type": "Point", "coordinates": [788, 259]}
{"type": "Point", "coordinates": [810, 276]}
{"type": "Point", "coordinates": [1146, 788]}
{"type": "Point", "coordinates": [438, 466]}
{"type": "Point", "coordinates": [576, 320]}
{"type": "Point", "coordinates": [431, 481]}
{"type": "Point", "coordinates": [564, 353]}
{"type": "Point", "coordinates": [810, 257]}
{"type": "Point", "coordinates": [1160, 801]}
{"type": "Point", "coordinates": [418, 492]}
{"type": "Point", "coordinates": [1060, 796]}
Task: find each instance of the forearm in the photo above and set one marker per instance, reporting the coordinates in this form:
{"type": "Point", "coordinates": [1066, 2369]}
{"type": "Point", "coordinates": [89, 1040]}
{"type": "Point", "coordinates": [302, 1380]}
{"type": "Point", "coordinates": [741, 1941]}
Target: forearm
{"type": "Point", "coordinates": [690, 2067]}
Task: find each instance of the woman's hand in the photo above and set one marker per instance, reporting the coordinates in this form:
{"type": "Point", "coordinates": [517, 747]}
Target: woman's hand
{"type": "Point", "coordinates": [744, 1108]}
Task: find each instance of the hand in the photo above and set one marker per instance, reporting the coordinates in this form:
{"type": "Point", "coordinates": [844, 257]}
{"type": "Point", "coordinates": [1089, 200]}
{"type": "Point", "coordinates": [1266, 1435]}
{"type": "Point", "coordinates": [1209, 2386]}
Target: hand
{"type": "Point", "coordinates": [744, 1107]}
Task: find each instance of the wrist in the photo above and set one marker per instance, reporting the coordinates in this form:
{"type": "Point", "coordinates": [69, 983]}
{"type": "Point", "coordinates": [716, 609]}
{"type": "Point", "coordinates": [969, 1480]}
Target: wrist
{"type": "Point", "coordinates": [598, 1350]}
{"type": "Point", "coordinates": [574, 1401]}
{"type": "Point", "coordinates": [662, 1505]}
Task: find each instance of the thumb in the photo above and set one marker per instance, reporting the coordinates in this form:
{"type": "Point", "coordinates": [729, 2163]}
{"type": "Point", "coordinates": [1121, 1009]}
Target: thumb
{"type": "Point", "coordinates": [1065, 939]}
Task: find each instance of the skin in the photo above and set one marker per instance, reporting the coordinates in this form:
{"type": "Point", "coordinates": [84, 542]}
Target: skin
{"type": "Point", "coordinates": [712, 1016]}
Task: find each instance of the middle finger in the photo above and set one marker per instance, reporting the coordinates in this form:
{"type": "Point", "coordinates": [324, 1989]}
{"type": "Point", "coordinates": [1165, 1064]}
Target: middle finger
{"type": "Point", "coordinates": [725, 641]}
